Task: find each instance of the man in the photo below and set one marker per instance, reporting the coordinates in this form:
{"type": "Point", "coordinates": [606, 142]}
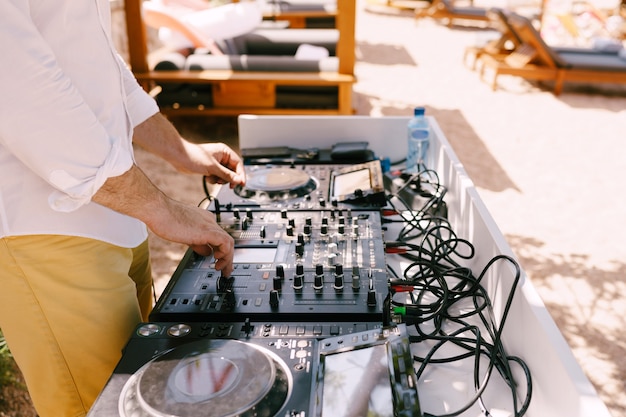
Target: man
{"type": "Point", "coordinates": [74, 264]}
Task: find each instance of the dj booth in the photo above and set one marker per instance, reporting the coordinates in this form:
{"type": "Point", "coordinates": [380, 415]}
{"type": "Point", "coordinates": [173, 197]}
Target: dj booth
{"type": "Point", "coordinates": [350, 294]}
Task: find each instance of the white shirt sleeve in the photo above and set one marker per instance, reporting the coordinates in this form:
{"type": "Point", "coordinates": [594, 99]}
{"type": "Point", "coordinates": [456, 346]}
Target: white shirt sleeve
{"type": "Point", "coordinates": [48, 124]}
{"type": "Point", "coordinates": [140, 104]}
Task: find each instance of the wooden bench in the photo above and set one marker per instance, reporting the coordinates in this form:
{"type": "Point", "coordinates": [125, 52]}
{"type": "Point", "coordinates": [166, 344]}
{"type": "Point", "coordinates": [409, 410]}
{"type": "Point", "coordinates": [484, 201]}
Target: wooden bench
{"type": "Point", "coordinates": [238, 92]}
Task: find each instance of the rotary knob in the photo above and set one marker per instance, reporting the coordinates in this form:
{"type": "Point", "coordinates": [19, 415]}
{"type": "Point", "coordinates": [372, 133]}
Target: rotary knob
{"type": "Point", "coordinates": [298, 278]}
{"type": "Point", "coordinates": [338, 285]}
{"type": "Point", "coordinates": [274, 299]}
{"type": "Point", "coordinates": [318, 282]}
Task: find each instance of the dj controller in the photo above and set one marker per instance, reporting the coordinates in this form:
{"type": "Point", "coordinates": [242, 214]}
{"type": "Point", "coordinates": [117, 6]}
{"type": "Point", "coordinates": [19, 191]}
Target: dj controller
{"type": "Point", "coordinates": [309, 286]}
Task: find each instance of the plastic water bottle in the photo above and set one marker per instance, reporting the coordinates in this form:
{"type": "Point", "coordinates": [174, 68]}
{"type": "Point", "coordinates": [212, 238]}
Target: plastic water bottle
{"type": "Point", "coordinates": [419, 140]}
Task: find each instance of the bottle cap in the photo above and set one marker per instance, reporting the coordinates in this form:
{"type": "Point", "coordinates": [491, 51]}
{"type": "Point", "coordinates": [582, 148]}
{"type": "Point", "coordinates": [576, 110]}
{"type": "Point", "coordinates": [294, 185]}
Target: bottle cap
{"type": "Point", "coordinates": [419, 111]}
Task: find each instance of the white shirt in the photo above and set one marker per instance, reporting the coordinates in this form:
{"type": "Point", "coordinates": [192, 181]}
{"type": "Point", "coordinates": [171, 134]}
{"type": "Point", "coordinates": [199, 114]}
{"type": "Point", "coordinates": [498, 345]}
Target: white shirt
{"type": "Point", "coordinates": [68, 105]}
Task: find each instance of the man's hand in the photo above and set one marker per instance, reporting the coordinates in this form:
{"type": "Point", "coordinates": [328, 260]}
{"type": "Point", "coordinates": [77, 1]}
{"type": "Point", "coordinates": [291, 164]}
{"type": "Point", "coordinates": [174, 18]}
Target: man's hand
{"type": "Point", "coordinates": [219, 163]}
{"type": "Point", "coordinates": [133, 194]}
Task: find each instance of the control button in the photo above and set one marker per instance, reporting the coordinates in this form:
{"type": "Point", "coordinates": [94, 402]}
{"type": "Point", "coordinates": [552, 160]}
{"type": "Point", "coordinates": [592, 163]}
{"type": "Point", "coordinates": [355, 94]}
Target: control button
{"type": "Point", "coordinates": [179, 330]}
{"type": "Point", "coordinates": [338, 285]}
{"type": "Point", "coordinates": [274, 299]}
{"type": "Point", "coordinates": [298, 279]}
{"type": "Point", "coordinates": [278, 283]}
{"type": "Point", "coordinates": [148, 329]}
{"type": "Point", "coordinates": [280, 271]}
{"type": "Point", "coordinates": [318, 283]}
{"type": "Point", "coordinates": [300, 249]}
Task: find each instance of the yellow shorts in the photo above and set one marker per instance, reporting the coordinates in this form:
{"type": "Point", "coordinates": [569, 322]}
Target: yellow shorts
{"type": "Point", "coordinates": [68, 305]}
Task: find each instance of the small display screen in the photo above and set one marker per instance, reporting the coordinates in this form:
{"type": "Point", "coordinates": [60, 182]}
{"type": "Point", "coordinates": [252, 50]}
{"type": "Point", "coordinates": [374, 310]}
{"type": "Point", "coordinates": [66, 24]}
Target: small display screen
{"type": "Point", "coordinates": [254, 255]}
{"type": "Point", "coordinates": [356, 384]}
{"type": "Point", "coordinates": [349, 182]}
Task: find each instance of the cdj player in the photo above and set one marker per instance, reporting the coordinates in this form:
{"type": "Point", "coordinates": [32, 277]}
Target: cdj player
{"type": "Point", "coordinates": [226, 370]}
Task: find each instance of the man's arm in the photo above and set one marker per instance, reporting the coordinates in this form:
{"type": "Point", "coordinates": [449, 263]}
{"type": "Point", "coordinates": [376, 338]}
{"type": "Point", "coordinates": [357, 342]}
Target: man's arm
{"type": "Point", "coordinates": [133, 194]}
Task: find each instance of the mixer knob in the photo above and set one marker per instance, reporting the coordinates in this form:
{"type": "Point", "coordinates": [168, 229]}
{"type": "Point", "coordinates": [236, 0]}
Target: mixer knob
{"type": "Point", "coordinates": [332, 258]}
{"type": "Point", "coordinates": [283, 214]}
{"type": "Point", "coordinates": [308, 221]}
{"type": "Point", "coordinates": [245, 223]}
{"type": "Point", "coordinates": [338, 277]}
{"type": "Point", "coordinates": [292, 222]}
{"type": "Point", "coordinates": [289, 231]}
{"type": "Point", "coordinates": [342, 220]}
{"type": "Point", "coordinates": [300, 249]}
{"type": "Point", "coordinates": [341, 229]}
{"type": "Point", "coordinates": [277, 283]}
{"type": "Point", "coordinates": [318, 283]}
{"type": "Point", "coordinates": [356, 278]}
{"type": "Point", "coordinates": [355, 230]}
{"type": "Point", "coordinates": [301, 238]}
{"type": "Point", "coordinates": [298, 278]}
{"type": "Point", "coordinates": [280, 271]}
{"type": "Point", "coordinates": [262, 233]}
{"type": "Point", "coordinates": [307, 230]}
{"type": "Point", "coordinates": [274, 299]}
{"type": "Point", "coordinates": [322, 202]}
{"type": "Point", "coordinates": [325, 221]}
{"type": "Point", "coordinates": [236, 214]}
{"type": "Point", "coordinates": [324, 230]}
{"type": "Point", "coordinates": [249, 214]}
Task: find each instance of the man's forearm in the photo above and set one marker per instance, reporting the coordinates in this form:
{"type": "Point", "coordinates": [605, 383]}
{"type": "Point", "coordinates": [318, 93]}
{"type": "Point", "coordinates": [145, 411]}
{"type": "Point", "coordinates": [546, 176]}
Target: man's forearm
{"type": "Point", "coordinates": [133, 194]}
{"type": "Point", "coordinates": [158, 136]}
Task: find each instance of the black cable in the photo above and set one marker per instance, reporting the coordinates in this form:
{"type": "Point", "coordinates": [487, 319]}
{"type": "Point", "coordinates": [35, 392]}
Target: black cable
{"type": "Point", "coordinates": [438, 286]}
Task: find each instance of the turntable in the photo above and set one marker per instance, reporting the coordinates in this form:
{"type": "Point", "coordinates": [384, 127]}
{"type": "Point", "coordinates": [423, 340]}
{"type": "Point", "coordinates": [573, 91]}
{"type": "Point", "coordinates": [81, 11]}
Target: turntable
{"type": "Point", "coordinates": [268, 184]}
{"type": "Point", "coordinates": [311, 187]}
{"type": "Point", "coordinates": [228, 377]}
